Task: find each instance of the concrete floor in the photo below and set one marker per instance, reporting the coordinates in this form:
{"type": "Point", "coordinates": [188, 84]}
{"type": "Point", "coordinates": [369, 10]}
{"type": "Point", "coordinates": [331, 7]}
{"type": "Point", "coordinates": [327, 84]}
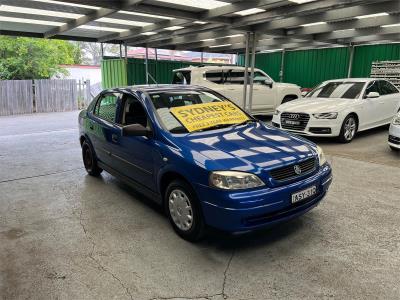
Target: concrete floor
{"type": "Point", "coordinates": [66, 235]}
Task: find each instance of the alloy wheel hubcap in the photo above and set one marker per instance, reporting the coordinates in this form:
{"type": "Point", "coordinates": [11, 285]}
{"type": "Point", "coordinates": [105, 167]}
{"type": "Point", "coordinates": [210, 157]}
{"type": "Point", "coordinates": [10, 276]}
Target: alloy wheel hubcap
{"type": "Point", "coordinates": [180, 209]}
{"type": "Point", "coordinates": [349, 129]}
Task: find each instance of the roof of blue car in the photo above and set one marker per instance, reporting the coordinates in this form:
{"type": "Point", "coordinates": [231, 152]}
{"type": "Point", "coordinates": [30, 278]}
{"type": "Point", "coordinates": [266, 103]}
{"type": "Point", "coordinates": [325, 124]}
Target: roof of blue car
{"type": "Point", "coordinates": [160, 87]}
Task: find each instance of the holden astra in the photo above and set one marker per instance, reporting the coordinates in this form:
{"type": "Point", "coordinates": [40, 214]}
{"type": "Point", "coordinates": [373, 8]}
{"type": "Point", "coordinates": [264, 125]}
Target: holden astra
{"type": "Point", "coordinates": [207, 162]}
{"type": "Point", "coordinates": [394, 133]}
{"type": "Point", "coordinates": [340, 108]}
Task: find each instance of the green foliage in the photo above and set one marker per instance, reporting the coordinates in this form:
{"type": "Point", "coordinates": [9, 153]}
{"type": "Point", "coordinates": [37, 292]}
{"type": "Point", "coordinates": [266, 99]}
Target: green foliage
{"type": "Point", "coordinates": [31, 58]}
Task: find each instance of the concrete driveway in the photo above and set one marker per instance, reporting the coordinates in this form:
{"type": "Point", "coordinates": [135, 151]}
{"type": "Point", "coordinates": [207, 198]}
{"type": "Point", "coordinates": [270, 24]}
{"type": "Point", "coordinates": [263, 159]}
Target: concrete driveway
{"type": "Point", "coordinates": [66, 235]}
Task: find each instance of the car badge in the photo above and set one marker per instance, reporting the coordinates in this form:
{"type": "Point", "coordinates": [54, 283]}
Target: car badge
{"type": "Point", "coordinates": [297, 169]}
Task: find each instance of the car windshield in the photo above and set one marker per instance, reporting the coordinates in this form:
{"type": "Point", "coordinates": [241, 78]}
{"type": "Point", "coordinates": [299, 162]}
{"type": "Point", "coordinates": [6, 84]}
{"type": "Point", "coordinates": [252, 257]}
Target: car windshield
{"type": "Point", "coordinates": [189, 111]}
{"type": "Point", "coordinates": [337, 89]}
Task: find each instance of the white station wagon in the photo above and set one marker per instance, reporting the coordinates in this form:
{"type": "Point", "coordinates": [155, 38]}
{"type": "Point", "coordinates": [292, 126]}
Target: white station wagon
{"type": "Point", "coordinates": [340, 108]}
{"type": "Point", "coordinates": [229, 80]}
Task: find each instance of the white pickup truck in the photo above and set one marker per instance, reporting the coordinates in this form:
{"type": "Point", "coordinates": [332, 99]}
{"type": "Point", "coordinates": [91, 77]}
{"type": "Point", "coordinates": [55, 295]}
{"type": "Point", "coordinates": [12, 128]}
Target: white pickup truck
{"type": "Point", "coordinates": [229, 80]}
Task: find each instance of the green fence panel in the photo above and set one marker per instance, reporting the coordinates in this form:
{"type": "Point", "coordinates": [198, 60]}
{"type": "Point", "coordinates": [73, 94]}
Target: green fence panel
{"type": "Point", "coordinates": [308, 68]}
{"type": "Point", "coordinates": [365, 55]}
{"type": "Point", "coordinates": [113, 73]}
{"type": "Point", "coordinates": [270, 63]}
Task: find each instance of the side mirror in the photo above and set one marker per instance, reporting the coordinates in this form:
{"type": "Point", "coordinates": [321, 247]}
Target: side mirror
{"type": "Point", "coordinates": [304, 93]}
{"type": "Point", "coordinates": [373, 95]}
{"type": "Point", "coordinates": [269, 83]}
{"type": "Point", "coordinates": [135, 130]}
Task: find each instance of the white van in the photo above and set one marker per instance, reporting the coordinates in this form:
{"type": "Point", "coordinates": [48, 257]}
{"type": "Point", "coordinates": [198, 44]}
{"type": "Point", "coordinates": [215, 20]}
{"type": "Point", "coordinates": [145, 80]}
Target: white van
{"type": "Point", "coordinates": [228, 80]}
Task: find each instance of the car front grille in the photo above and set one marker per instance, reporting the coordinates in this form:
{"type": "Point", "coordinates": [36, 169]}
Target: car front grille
{"type": "Point", "coordinates": [294, 121]}
{"type": "Point", "coordinates": [394, 139]}
{"type": "Point", "coordinates": [289, 172]}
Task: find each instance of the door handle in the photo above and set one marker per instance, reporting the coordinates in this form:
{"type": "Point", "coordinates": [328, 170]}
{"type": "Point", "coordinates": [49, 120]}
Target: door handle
{"type": "Point", "coordinates": [114, 138]}
{"type": "Point", "coordinates": [91, 127]}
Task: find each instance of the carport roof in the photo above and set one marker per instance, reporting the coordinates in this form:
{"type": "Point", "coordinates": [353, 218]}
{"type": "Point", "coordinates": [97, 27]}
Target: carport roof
{"type": "Point", "coordinates": [206, 25]}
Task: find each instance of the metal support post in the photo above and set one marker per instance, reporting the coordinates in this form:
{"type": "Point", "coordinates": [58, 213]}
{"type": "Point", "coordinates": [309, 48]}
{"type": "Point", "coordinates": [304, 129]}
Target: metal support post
{"type": "Point", "coordinates": [246, 69]}
{"type": "Point", "coordinates": [156, 66]}
{"type": "Point", "coordinates": [147, 65]}
{"type": "Point", "coordinates": [349, 70]}
{"type": "Point", "coordinates": [101, 50]}
{"type": "Point", "coordinates": [253, 61]}
{"type": "Point", "coordinates": [282, 65]}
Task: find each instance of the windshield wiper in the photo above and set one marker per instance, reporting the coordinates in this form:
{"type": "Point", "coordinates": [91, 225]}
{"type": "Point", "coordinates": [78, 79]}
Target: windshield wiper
{"type": "Point", "coordinates": [245, 122]}
{"type": "Point", "coordinates": [218, 126]}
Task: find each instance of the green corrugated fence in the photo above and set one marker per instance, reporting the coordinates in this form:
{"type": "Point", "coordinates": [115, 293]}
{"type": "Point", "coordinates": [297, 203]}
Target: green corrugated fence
{"type": "Point", "coordinates": [307, 68]}
{"type": "Point", "coordinates": [120, 72]}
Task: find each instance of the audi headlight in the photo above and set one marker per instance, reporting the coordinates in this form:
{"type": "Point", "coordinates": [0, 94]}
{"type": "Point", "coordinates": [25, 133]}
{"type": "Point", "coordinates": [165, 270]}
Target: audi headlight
{"type": "Point", "coordinates": [330, 115]}
{"type": "Point", "coordinates": [276, 112]}
{"type": "Point", "coordinates": [396, 120]}
{"type": "Point", "coordinates": [321, 156]}
{"type": "Point", "coordinates": [233, 180]}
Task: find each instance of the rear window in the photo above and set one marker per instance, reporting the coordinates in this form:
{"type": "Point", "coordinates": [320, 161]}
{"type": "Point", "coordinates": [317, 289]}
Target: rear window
{"type": "Point", "coordinates": [181, 77]}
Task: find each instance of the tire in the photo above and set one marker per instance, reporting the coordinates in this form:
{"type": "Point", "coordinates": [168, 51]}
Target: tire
{"type": "Point", "coordinates": [394, 149]}
{"type": "Point", "coordinates": [348, 130]}
{"type": "Point", "coordinates": [288, 99]}
{"type": "Point", "coordinates": [90, 160]}
{"type": "Point", "coordinates": [184, 212]}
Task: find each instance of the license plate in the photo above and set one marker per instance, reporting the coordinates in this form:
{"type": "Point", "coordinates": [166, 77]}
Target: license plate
{"type": "Point", "coordinates": [290, 122]}
{"type": "Point", "coordinates": [304, 194]}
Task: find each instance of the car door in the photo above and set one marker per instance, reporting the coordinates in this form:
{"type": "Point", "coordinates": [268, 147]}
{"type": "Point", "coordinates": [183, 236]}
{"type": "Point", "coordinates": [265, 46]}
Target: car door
{"type": "Point", "coordinates": [390, 98]}
{"type": "Point", "coordinates": [135, 154]}
{"type": "Point", "coordinates": [103, 130]}
{"type": "Point", "coordinates": [372, 108]}
{"type": "Point", "coordinates": [264, 96]}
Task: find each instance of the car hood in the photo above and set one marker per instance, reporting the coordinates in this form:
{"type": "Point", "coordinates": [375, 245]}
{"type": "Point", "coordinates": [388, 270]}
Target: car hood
{"type": "Point", "coordinates": [286, 85]}
{"type": "Point", "coordinates": [316, 105]}
{"type": "Point", "coordinates": [254, 148]}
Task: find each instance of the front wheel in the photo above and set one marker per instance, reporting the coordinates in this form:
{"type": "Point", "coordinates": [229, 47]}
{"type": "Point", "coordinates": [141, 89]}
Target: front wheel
{"type": "Point", "coordinates": [89, 160]}
{"type": "Point", "coordinates": [184, 212]}
{"type": "Point", "coordinates": [348, 130]}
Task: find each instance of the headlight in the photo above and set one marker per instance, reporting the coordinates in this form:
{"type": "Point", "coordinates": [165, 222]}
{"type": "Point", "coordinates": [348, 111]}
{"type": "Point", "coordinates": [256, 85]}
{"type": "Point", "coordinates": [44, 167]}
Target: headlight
{"type": "Point", "coordinates": [396, 120]}
{"type": "Point", "coordinates": [232, 180]}
{"type": "Point", "coordinates": [330, 115]}
{"type": "Point", "coordinates": [321, 156]}
{"type": "Point", "coordinates": [276, 112]}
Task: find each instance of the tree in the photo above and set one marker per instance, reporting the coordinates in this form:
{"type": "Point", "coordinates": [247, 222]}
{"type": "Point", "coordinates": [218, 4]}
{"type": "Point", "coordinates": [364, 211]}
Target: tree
{"type": "Point", "coordinates": [91, 52]}
{"type": "Point", "coordinates": [31, 58]}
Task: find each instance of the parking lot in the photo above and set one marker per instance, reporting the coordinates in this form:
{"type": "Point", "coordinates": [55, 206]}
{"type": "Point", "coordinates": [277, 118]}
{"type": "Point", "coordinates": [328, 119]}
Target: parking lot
{"type": "Point", "coordinates": [66, 235]}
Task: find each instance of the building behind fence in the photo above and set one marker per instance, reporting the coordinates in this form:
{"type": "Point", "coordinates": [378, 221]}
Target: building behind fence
{"type": "Point", "coordinates": [43, 95]}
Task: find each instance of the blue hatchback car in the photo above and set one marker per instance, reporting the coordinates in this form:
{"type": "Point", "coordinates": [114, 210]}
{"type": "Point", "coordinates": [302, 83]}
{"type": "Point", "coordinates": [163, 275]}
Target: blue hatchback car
{"type": "Point", "coordinates": [232, 173]}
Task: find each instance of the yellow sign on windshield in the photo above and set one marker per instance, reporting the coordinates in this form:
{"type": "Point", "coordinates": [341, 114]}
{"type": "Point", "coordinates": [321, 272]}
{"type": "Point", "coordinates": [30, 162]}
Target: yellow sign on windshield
{"type": "Point", "coordinates": [201, 116]}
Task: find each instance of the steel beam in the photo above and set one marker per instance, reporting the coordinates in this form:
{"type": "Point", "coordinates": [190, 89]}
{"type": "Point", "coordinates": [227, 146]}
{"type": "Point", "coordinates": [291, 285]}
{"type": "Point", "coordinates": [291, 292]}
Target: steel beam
{"type": "Point", "coordinates": [96, 14]}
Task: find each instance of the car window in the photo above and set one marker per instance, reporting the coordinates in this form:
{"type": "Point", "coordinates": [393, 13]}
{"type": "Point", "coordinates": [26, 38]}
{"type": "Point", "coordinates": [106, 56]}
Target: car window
{"type": "Point", "coordinates": [215, 76]}
{"type": "Point", "coordinates": [106, 107]}
{"type": "Point", "coordinates": [134, 112]}
{"type": "Point", "coordinates": [337, 89]}
{"type": "Point", "coordinates": [181, 77]}
{"type": "Point", "coordinates": [237, 77]}
{"type": "Point", "coordinates": [386, 88]}
{"type": "Point", "coordinates": [372, 87]}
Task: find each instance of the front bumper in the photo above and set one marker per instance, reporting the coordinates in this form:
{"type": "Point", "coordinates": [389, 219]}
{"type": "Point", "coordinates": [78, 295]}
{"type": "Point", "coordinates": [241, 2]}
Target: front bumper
{"type": "Point", "coordinates": [394, 136]}
{"type": "Point", "coordinates": [315, 127]}
{"type": "Point", "coordinates": [237, 211]}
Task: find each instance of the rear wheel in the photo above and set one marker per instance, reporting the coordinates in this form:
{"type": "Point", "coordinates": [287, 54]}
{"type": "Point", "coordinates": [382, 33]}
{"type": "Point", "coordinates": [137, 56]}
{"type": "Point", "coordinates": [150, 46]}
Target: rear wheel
{"type": "Point", "coordinates": [89, 160]}
{"type": "Point", "coordinates": [348, 130]}
{"type": "Point", "coordinates": [183, 210]}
